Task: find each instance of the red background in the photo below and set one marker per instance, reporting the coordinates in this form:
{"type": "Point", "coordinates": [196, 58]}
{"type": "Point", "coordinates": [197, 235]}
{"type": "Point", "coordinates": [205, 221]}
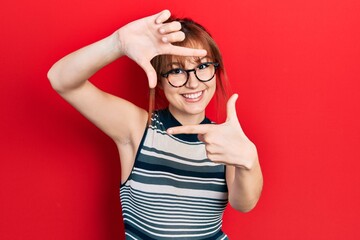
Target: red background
{"type": "Point", "coordinates": [295, 65]}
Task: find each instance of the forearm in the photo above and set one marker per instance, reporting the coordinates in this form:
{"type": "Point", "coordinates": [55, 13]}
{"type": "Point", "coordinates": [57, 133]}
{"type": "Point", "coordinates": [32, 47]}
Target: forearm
{"type": "Point", "coordinates": [74, 69]}
{"type": "Point", "coordinates": [246, 187]}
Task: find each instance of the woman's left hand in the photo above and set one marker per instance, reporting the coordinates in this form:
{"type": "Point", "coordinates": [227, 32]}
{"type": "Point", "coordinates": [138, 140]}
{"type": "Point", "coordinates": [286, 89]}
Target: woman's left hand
{"type": "Point", "coordinates": [225, 143]}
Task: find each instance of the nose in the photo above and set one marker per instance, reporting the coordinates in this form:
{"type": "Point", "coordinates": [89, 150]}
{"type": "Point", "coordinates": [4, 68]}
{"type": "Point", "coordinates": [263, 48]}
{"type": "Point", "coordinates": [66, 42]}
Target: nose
{"type": "Point", "coordinates": [192, 82]}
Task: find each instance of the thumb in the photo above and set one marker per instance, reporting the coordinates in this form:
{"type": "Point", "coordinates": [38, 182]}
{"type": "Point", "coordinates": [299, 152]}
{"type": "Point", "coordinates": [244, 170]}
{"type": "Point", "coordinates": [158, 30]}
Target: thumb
{"type": "Point", "coordinates": [231, 109]}
{"type": "Point", "coordinates": [150, 73]}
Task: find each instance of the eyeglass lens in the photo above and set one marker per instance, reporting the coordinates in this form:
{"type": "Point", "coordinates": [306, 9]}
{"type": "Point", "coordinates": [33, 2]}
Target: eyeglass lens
{"type": "Point", "coordinates": [203, 72]}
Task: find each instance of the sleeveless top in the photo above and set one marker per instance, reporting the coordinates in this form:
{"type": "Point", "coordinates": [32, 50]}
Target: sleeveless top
{"type": "Point", "coordinates": [173, 191]}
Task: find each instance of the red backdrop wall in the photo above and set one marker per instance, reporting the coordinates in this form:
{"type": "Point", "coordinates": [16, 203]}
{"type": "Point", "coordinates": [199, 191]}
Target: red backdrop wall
{"type": "Point", "coordinates": [295, 65]}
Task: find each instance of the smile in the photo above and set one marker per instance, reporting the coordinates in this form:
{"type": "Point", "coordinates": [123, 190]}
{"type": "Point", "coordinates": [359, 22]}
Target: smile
{"type": "Point", "coordinates": [193, 95]}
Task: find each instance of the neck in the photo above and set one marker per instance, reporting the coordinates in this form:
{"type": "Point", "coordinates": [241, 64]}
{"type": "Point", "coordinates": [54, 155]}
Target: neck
{"type": "Point", "coordinates": [187, 118]}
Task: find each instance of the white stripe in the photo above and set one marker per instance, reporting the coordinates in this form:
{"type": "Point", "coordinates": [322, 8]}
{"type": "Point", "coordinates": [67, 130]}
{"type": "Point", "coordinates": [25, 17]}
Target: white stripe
{"type": "Point", "coordinates": [176, 204]}
{"type": "Point", "coordinates": [175, 209]}
{"type": "Point", "coordinates": [172, 217]}
{"type": "Point", "coordinates": [172, 198]}
{"type": "Point", "coordinates": [174, 229]}
{"type": "Point", "coordinates": [165, 222]}
{"type": "Point", "coordinates": [197, 164]}
{"type": "Point", "coordinates": [171, 235]}
{"type": "Point", "coordinates": [169, 139]}
{"type": "Point", "coordinates": [161, 189]}
{"type": "Point", "coordinates": [129, 235]}
{"type": "Point", "coordinates": [193, 203]}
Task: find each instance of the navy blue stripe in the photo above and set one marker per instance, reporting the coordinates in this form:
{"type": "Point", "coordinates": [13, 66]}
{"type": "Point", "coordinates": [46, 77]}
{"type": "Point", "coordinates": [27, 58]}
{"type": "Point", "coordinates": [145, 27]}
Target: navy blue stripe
{"type": "Point", "coordinates": [218, 235]}
{"type": "Point", "coordinates": [129, 228]}
{"type": "Point", "coordinates": [203, 174]}
{"type": "Point", "coordinates": [161, 181]}
{"type": "Point", "coordinates": [169, 154]}
{"type": "Point", "coordinates": [182, 166]}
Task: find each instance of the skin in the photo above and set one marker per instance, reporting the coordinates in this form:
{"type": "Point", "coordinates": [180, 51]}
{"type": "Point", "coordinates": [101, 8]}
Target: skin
{"type": "Point", "coordinates": [124, 122]}
{"type": "Point", "coordinates": [189, 110]}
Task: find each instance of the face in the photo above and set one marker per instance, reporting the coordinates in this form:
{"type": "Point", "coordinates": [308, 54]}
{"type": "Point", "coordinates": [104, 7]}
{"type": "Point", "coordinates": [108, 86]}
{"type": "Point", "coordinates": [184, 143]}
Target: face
{"type": "Point", "coordinates": [188, 103]}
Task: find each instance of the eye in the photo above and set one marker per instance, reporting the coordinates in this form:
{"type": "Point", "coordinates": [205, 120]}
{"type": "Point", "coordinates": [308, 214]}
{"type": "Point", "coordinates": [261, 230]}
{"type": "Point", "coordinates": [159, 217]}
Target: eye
{"type": "Point", "coordinates": [203, 66]}
{"type": "Point", "coordinates": [176, 71]}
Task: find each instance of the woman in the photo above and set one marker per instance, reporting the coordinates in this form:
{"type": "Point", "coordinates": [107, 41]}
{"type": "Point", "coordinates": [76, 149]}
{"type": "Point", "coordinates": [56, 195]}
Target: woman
{"type": "Point", "coordinates": [178, 172]}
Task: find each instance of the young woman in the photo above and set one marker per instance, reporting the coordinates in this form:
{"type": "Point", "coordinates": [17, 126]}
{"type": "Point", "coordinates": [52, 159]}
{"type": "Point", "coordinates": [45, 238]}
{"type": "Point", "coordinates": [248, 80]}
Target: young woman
{"type": "Point", "coordinates": [178, 169]}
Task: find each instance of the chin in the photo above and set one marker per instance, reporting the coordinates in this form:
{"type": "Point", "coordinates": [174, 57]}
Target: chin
{"type": "Point", "coordinates": [194, 110]}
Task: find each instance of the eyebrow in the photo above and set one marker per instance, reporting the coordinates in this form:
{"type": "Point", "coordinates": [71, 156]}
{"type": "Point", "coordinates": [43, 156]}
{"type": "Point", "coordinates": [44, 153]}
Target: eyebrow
{"type": "Point", "coordinates": [198, 60]}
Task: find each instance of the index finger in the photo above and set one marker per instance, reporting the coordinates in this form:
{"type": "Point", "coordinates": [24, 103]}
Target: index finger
{"type": "Point", "coordinates": [188, 52]}
{"type": "Point", "coordinates": [191, 129]}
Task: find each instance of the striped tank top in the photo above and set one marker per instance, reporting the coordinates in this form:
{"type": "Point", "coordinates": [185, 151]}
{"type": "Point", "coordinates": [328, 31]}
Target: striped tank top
{"type": "Point", "coordinates": [173, 191]}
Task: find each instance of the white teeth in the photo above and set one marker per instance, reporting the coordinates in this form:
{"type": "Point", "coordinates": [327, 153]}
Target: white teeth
{"type": "Point", "coordinates": [193, 95]}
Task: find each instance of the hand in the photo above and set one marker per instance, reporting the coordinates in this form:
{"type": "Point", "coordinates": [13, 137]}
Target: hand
{"type": "Point", "coordinates": [148, 37]}
{"type": "Point", "coordinates": [225, 143]}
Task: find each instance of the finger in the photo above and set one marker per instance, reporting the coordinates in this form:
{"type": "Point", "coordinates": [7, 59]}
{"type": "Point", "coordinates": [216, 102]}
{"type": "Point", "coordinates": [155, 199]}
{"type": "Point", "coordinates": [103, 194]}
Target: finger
{"type": "Point", "coordinates": [201, 137]}
{"type": "Point", "coordinates": [217, 158]}
{"type": "Point", "coordinates": [152, 78]}
{"type": "Point", "coordinates": [191, 129]}
{"type": "Point", "coordinates": [231, 109]}
{"type": "Point", "coordinates": [188, 52]}
{"type": "Point", "coordinates": [173, 37]}
{"type": "Point", "coordinates": [170, 27]}
{"type": "Point", "coordinates": [162, 16]}
{"type": "Point", "coordinates": [150, 73]}
{"type": "Point", "coordinates": [231, 112]}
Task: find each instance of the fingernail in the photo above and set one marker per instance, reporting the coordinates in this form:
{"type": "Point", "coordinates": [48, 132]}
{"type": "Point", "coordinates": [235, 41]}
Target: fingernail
{"type": "Point", "coordinates": [170, 131]}
{"type": "Point", "coordinates": [162, 30]}
{"type": "Point", "coordinates": [164, 39]}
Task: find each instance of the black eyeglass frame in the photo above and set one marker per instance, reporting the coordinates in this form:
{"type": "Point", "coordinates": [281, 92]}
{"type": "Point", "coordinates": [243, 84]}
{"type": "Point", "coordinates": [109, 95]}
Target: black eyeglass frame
{"type": "Point", "coordinates": [166, 75]}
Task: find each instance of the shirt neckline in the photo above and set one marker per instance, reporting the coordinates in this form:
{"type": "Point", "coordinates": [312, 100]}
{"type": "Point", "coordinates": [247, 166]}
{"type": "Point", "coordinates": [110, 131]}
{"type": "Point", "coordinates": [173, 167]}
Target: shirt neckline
{"type": "Point", "coordinates": [169, 121]}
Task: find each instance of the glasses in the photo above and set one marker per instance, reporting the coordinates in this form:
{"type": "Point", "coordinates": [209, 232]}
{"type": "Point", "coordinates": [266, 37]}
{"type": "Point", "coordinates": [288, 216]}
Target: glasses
{"type": "Point", "coordinates": [204, 72]}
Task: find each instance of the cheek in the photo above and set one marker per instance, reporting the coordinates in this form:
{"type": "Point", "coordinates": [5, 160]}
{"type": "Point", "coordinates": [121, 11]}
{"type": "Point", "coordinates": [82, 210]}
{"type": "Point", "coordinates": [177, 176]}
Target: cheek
{"type": "Point", "coordinates": [212, 84]}
{"type": "Point", "coordinates": [168, 90]}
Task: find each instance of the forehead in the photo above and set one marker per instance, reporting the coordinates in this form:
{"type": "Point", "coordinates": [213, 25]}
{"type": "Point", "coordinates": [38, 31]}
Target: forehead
{"type": "Point", "coordinates": [183, 60]}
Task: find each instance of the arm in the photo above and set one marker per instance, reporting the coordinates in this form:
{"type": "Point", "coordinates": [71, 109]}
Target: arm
{"type": "Point", "coordinates": [244, 185]}
{"type": "Point", "coordinates": [140, 40]}
{"type": "Point", "coordinates": [227, 143]}
{"type": "Point", "coordinates": [69, 77]}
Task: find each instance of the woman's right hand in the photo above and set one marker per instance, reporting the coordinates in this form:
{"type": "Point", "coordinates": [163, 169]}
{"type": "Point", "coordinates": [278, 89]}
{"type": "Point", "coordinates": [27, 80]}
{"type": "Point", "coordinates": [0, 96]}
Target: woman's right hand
{"type": "Point", "coordinates": [148, 37]}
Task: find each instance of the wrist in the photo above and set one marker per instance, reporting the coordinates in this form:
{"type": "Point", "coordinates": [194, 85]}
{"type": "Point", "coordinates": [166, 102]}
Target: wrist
{"type": "Point", "coordinates": [118, 42]}
{"type": "Point", "coordinates": [248, 168]}
{"type": "Point", "coordinates": [112, 46]}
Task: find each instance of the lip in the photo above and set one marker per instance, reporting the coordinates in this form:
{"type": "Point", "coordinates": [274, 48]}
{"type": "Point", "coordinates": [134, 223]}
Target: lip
{"type": "Point", "coordinates": [193, 96]}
